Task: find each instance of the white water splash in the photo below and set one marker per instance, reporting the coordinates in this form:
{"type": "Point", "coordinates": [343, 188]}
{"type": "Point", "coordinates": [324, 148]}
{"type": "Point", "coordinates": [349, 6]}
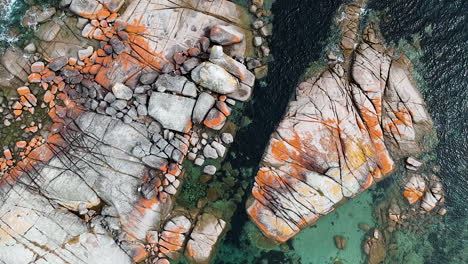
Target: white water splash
{"type": "Point", "coordinates": [6, 7]}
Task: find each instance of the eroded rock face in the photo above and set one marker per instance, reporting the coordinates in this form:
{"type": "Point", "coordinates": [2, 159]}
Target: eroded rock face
{"type": "Point", "coordinates": [331, 145]}
{"type": "Point", "coordinates": [204, 237]}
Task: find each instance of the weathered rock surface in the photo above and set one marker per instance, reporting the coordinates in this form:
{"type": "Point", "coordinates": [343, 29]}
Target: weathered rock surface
{"type": "Point", "coordinates": [78, 176]}
{"type": "Point", "coordinates": [214, 78]}
{"type": "Point", "coordinates": [171, 111]}
{"type": "Point", "coordinates": [204, 103]}
{"type": "Point", "coordinates": [204, 237]}
{"type": "Point", "coordinates": [234, 67]}
{"type": "Point", "coordinates": [330, 145]}
{"type": "Point", "coordinates": [157, 32]}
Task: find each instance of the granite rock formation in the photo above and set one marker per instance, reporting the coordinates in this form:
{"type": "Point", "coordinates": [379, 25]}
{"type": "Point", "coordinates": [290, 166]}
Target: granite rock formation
{"type": "Point", "coordinates": [100, 186]}
{"type": "Point", "coordinates": [338, 134]}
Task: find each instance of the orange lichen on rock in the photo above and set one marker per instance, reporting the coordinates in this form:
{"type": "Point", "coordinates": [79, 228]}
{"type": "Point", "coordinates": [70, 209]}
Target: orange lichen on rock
{"type": "Point", "coordinates": [23, 90]}
{"type": "Point", "coordinates": [141, 48]}
{"type": "Point", "coordinates": [414, 189]}
{"type": "Point", "coordinates": [34, 78]}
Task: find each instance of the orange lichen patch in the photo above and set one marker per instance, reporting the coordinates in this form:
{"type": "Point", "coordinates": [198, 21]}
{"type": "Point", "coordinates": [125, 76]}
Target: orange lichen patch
{"type": "Point", "coordinates": [23, 90]}
{"type": "Point", "coordinates": [170, 240]}
{"type": "Point", "coordinates": [16, 105]}
{"type": "Point", "coordinates": [139, 253]}
{"type": "Point", "coordinates": [48, 97]}
{"type": "Point", "coordinates": [48, 76]}
{"type": "Point", "coordinates": [72, 61]}
{"type": "Point", "coordinates": [140, 46]}
{"type": "Point", "coordinates": [376, 135]}
{"type": "Point", "coordinates": [112, 17]}
{"type": "Point", "coordinates": [32, 129]}
{"type": "Point", "coordinates": [94, 69]}
{"type": "Point", "coordinates": [37, 68]}
{"type": "Point", "coordinates": [17, 112]}
{"type": "Point", "coordinates": [101, 53]}
{"type": "Point", "coordinates": [87, 15]}
{"type": "Point", "coordinates": [263, 217]}
{"type": "Point", "coordinates": [102, 14]}
{"type": "Point", "coordinates": [215, 121]}
{"type": "Point", "coordinates": [412, 195]}
{"type": "Point", "coordinates": [31, 99]}
{"type": "Point", "coordinates": [7, 154]}
{"type": "Point", "coordinates": [21, 144]}
{"type": "Point", "coordinates": [279, 151]}
{"type": "Point", "coordinates": [224, 108]}
{"type": "Point", "coordinates": [173, 169]}
{"type": "Point", "coordinates": [121, 69]}
{"type": "Point", "coordinates": [34, 78]}
{"type": "Point", "coordinates": [104, 24]}
{"type": "Point", "coordinates": [54, 89]}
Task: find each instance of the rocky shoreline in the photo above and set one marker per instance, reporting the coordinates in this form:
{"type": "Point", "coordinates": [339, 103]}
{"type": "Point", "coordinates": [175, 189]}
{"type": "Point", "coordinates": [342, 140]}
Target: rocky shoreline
{"type": "Point", "coordinates": [129, 90]}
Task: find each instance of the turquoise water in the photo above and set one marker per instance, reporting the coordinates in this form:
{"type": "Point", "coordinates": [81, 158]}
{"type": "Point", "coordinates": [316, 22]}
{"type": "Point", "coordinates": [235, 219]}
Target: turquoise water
{"type": "Point", "coordinates": [316, 244]}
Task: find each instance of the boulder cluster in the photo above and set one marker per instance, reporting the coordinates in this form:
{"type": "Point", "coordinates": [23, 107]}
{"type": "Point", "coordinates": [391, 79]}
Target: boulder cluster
{"type": "Point", "coordinates": [423, 189]}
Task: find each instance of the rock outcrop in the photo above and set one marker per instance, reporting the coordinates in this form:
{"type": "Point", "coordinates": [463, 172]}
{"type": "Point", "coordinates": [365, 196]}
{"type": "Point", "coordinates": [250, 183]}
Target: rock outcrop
{"type": "Point", "coordinates": [336, 137]}
{"type": "Point", "coordinates": [100, 183]}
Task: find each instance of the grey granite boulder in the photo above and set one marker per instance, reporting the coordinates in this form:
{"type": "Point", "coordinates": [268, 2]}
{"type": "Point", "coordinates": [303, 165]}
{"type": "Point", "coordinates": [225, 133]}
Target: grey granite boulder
{"type": "Point", "coordinates": [121, 91]}
{"type": "Point", "coordinates": [242, 94]}
{"type": "Point", "coordinates": [85, 8]}
{"type": "Point", "coordinates": [57, 63]}
{"type": "Point", "coordinates": [210, 152]}
{"type": "Point", "coordinates": [171, 83]}
{"type": "Point", "coordinates": [234, 67]}
{"type": "Point", "coordinates": [190, 89]}
{"type": "Point", "coordinates": [149, 78]}
{"type": "Point", "coordinates": [171, 111]}
{"type": "Point", "coordinates": [215, 78]}
{"type": "Point", "coordinates": [204, 103]}
{"type": "Point", "coordinates": [225, 35]}
{"type": "Point", "coordinates": [204, 238]}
